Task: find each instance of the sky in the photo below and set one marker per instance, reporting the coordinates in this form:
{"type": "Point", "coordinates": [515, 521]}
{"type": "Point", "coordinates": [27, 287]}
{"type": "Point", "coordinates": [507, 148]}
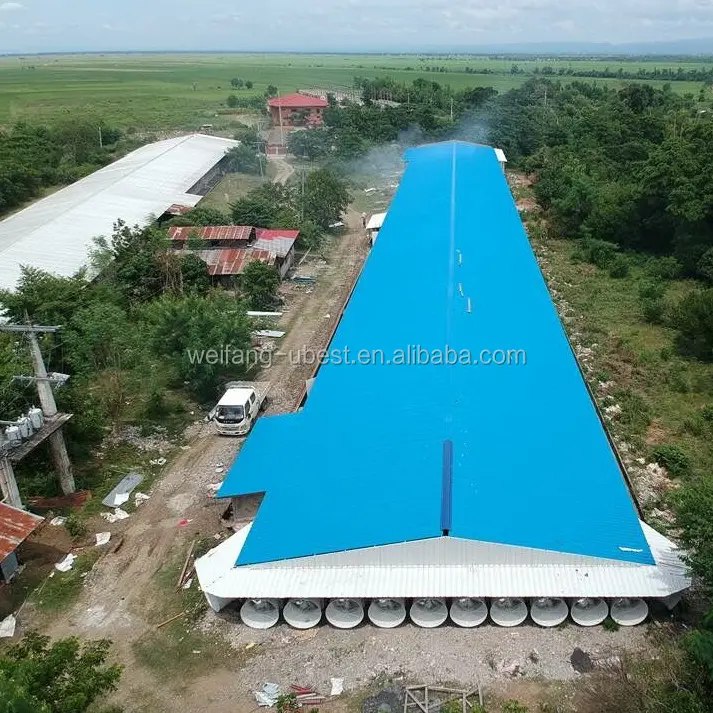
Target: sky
{"type": "Point", "coordinates": [341, 25]}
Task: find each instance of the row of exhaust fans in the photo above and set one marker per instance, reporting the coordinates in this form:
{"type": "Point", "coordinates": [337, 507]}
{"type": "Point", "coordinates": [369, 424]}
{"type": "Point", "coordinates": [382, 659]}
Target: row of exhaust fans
{"type": "Point", "coordinates": [23, 428]}
{"type": "Point", "coordinates": [429, 613]}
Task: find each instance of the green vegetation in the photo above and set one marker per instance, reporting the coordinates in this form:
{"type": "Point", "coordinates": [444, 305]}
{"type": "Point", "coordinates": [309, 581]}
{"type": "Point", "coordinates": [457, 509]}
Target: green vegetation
{"type": "Point", "coordinates": [57, 592]}
{"type": "Point", "coordinates": [260, 284]}
{"type": "Point", "coordinates": [166, 91]}
{"type": "Point", "coordinates": [310, 208]}
{"type": "Point", "coordinates": [35, 157]}
{"type": "Point", "coordinates": [125, 341]}
{"type": "Point", "coordinates": [616, 174]}
{"type": "Point", "coordinates": [37, 676]}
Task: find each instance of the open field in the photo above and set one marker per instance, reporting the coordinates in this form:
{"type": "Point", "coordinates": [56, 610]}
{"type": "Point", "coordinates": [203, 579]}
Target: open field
{"type": "Point", "coordinates": [162, 91]}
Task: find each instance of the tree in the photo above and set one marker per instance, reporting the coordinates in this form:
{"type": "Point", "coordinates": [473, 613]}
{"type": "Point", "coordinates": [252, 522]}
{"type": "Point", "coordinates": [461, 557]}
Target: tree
{"type": "Point", "coordinates": [202, 217]}
{"type": "Point", "coordinates": [233, 101]}
{"type": "Point", "coordinates": [101, 337]}
{"type": "Point", "coordinates": [693, 319]}
{"type": "Point", "coordinates": [249, 84]}
{"type": "Point", "coordinates": [311, 144]}
{"type": "Point", "coordinates": [237, 83]}
{"type": "Point", "coordinates": [260, 283]}
{"type": "Point", "coordinates": [64, 676]}
{"type": "Point", "coordinates": [45, 298]}
{"type": "Point", "coordinates": [271, 91]}
{"type": "Point", "coordinates": [186, 329]}
{"type": "Point", "coordinates": [263, 206]}
{"type": "Point", "coordinates": [243, 159]}
{"type": "Point", "coordinates": [194, 274]}
{"type": "Point", "coordinates": [325, 197]}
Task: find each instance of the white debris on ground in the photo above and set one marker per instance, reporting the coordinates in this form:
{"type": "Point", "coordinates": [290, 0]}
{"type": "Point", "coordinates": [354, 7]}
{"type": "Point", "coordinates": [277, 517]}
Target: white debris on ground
{"type": "Point", "coordinates": [102, 538]}
{"type": "Point", "coordinates": [157, 442]}
{"type": "Point", "coordinates": [7, 627]}
{"type": "Point", "coordinates": [57, 521]}
{"type": "Point", "coordinates": [115, 516]}
{"type": "Point", "coordinates": [140, 498]}
{"type": "Point", "coordinates": [65, 564]}
{"type": "Point", "coordinates": [268, 696]}
{"type": "Point", "coordinates": [489, 653]}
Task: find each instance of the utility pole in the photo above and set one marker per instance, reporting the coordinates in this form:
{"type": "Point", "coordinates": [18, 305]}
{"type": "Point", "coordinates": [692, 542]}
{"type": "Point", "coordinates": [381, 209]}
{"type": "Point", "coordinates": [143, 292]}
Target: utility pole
{"type": "Point", "coordinates": [279, 113]}
{"type": "Point", "coordinates": [58, 448]}
{"type": "Point", "coordinates": [303, 196]}
{"type": "Point", "coordinates": [451, 110]}
{"type": "Point", "coordinates": [8, 484]}
{"type": "Point", "coordinates": [101, 138]}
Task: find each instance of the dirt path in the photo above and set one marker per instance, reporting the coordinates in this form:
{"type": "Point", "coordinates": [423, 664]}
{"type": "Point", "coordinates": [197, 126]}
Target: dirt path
{"type": "Point", "coordinates": [284, 169]}
{"type": "Point", "coordinates": [118, 599]}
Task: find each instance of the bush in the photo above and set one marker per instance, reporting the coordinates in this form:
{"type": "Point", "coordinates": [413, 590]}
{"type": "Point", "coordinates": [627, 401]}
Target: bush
{"type": "Point", "coordinates": [75, 527]}
{"type": "Point", "coordinates": [619, 267]}
{"type": "Point", "coordinates": [694, 320]}
{"type": "Point", "coordinates": [673, 458]}
{"type": "Point", "coordinates": [651, 290]}
{"type": "Point", "coordinates": [663, 268]}
{"type": "Point", "coordinates": [599, 252]}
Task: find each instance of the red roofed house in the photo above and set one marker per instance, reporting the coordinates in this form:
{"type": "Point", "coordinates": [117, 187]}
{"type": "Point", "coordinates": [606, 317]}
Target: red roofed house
{"type": "Point", "coordinates": [297, 110]}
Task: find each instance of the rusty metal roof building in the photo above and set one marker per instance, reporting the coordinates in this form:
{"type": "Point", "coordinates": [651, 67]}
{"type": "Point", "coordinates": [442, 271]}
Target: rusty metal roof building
{"type": "Point", "coordinates": [278, 241]}
{"type": "Point", "coordinates": [15, 527]}
{"type": "Point", "coordinates": [223, 262]}
{"type": "Point", "coordinates": [240, 233]}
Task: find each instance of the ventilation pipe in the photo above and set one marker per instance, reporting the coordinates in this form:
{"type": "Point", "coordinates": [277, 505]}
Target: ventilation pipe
{"type": "Point", "coordinates": [589, 611]}
{"type": "Point", "coordinates": [629, 612]}
{"type": "Point", "coordinates": [345, 613]}
{"type": "Point", "coordinates": [508, 611]}
{"type": "Point", "coordinates": [467, 612]}
{"type": "Point", "coordinates": [387, 613]}
{"type": "Point", "coordinates": [303, 613]}
{"type": "Point", "coordinates": [260, 613]}
{"type": "Point", "coordinates": [548, 612]}
{"type": "Point", "coordinates": [428, 613]}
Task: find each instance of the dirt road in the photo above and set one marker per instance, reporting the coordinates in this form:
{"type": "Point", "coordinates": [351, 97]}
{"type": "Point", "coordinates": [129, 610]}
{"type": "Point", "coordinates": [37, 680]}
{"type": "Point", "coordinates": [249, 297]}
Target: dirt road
{"type": "Point", "coordinates": [118, 599]}
{"type": "Point", "coordinates": [284, 169]}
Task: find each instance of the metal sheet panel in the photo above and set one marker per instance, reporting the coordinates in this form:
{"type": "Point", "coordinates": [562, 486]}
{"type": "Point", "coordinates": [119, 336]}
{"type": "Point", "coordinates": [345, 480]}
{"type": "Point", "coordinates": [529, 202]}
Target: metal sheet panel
{"type": "Point", "coordinates": [15, 527]}
{"type": "Point", "coordinates": [442, 567]}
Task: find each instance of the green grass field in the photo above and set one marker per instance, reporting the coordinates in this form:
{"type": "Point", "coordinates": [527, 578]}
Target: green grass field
{"type": "Point", "coordinates": [170, 91]}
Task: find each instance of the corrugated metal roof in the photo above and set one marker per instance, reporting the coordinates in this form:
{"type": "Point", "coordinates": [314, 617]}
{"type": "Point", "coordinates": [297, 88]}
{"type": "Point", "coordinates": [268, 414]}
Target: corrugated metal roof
{"type": "Point", "coordinates": [531, 464]}
{"type": "Point", "coordinates": [15, 527]}
{"type": "Point", "coordinates": [212, 232]}
{"type": "Point", "coordinates": [278, 241]}
{"type": "Point", "coordinates": [298, 101]}
{"type": "Point", "coordinates": [56, 233]}
{"type": "Point", "coordinates": [442, 567]}
{"type": "Point", "coordinates": [231, 261]}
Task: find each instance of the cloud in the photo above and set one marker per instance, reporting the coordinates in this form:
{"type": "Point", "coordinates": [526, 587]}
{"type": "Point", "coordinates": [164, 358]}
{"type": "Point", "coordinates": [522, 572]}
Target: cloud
{"type": "Point", "coordinates": [352, 25]}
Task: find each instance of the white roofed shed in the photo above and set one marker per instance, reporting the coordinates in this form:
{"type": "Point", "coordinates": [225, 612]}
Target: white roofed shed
{"type": "Point", "coordinates": [57, 233]}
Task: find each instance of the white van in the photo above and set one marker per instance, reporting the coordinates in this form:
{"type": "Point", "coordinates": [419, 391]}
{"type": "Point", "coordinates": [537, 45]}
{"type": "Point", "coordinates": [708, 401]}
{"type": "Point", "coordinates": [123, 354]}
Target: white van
{"type": "Point", "coordinates": [238, 408]}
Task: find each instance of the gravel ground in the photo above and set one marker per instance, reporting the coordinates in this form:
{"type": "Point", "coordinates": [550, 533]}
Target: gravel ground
{"type": "Point", "coordinates": [446, 654]}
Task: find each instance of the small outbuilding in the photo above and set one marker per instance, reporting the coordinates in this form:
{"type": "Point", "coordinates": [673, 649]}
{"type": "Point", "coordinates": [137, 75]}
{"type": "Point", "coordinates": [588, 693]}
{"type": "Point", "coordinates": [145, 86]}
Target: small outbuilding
{"type": "Point", "coordinates": [15, 527]}
{"type": "Point", "coordinates": [374, 226]}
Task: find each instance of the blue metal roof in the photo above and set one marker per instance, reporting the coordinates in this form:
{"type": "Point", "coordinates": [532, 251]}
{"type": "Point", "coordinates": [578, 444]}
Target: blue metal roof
{"type": "Point", "coordinates": [385, 452]}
